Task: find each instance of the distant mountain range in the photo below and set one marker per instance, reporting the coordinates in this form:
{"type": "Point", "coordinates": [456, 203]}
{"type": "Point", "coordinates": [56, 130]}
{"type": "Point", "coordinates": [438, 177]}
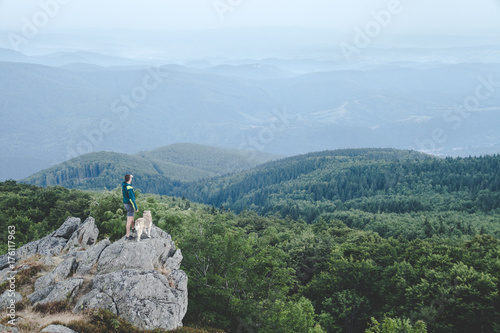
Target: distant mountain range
{"type": "Point", "coordinates": [281, 106]}
{"type": "Point", "coordinates": [60, 59]}
{"type": "Point", "coordinates": [153, 170]}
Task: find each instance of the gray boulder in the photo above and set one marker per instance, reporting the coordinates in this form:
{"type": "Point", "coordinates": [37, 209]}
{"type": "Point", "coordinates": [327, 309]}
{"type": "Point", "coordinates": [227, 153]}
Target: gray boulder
{"type": "Point", "coordinates": [27, 250]}
{"type": "Point", "coordinates": [144, 298]}
{"type": "Point", "coordinates": [152, 253]}
{"type": "Point", "coordinates": [174, 262]}
{"type": "Point", "coordinates": [8, 329]}
{"type": "Point", "coordinates": [128, 281]}
{"type": "Point", "coordinates": [6, 274]}
{"type": "Point", "coordinates": [8, 297]}
{"type": "Point", "coordinates": [85, 236]}
{"type": "Point", "coordinates": [178, 279]}
{"type": "Point", "coordinates": [61, 272]}
{"type": "Point", "coordinates": [60, 291]}
{"type": "Point", "coordinates": [46, 246]}
{"type": "Point", "coordinates": [67, 228]}
{"type": "Point", "coordinates": [50, 245]}
{"type": "Point", "coordinates": [4, 262]}
{"type": "Point", "coordinates": [158, 233]}
{"type": "Point", "coordinates": [40, 294]}
{"type": "Point", "coordinates": [86, 261]}
{"type": "Point", "coordinates": [57, 329]}
{"type": "Point", "coordinates": [95, 300]}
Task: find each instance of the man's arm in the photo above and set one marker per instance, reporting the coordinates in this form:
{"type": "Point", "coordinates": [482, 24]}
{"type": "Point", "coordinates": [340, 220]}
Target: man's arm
{"type": "Point", "coordinates": [131, 196]}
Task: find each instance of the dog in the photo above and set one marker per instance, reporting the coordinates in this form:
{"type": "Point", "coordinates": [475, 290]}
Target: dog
{"type": "Point", "coordinates": [145, 224]}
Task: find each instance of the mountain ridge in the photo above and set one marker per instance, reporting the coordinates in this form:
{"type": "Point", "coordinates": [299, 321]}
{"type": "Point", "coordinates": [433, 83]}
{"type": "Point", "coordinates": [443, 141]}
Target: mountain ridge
{"type": "Point", "coordinates": [233, 106]}
{"type": "Point", "coordinates": [169, 164]}
{"type": "Point", "coordinates": [314, 186]}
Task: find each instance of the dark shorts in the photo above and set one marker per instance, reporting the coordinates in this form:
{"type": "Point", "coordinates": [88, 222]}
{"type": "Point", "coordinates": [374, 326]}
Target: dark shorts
{"type": "Point", "coordinates": [130, 209]}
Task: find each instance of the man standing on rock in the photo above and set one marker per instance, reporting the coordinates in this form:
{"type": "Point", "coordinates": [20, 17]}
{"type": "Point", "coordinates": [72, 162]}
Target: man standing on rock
{"type": "Point", "coordinates": [129, 203]}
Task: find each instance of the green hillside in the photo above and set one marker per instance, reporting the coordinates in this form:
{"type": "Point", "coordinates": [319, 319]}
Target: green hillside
{"type": "Point", "coordinates": [100, 171]}
{"type": "Point", "coordinates": [156, 171]}
{"type": "Point", "coordinates": [188, 161]}
{"type": "Point", "coordinates": [313, 177]}
{"type": "Point", "coordinates": [367, 189]}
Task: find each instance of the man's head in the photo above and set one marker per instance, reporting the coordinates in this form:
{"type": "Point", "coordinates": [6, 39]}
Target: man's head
{"type": "Point", "coordinates": [128, 178]}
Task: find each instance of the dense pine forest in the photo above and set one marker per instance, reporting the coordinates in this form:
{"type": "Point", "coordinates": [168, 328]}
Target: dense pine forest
{"type": "Point", "coordinates": [371, 240]}
{"type": "Point", "coordinates": [384, 180]}
{"type": "Point", "coordinates": [392, 192]}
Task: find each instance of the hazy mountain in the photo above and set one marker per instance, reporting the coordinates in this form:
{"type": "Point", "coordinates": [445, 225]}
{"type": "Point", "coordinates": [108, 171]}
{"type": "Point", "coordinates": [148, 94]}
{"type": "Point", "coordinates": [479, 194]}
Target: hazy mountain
{"type": "Point", "coordinates": [11, 55]}
{"type": "Point", "coordinates": [52, 114]}
{"type": "Point", "coordinates": [62, 58]}
{"type": "Point", "coordinates": [174, 160]}
{"type": "Point", "coordinates": [65, 58]}
{"type": "Point", "coordinates": [153, 170]}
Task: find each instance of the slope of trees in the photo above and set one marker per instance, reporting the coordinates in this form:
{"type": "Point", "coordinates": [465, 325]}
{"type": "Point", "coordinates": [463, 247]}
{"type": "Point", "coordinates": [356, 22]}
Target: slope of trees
{"type": "Point", "coordinates": [36, 211]}
{"type": "Point", "coordinates": [319, 185]}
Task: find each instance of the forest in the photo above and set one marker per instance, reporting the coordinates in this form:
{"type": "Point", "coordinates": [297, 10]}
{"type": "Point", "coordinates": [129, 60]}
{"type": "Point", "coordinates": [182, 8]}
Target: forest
{"type": "Point", "coordinates": [408, 245]}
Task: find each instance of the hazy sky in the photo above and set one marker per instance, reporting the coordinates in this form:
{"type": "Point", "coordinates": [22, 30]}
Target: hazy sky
{"type": "Point", "coordinates": [426, 16]}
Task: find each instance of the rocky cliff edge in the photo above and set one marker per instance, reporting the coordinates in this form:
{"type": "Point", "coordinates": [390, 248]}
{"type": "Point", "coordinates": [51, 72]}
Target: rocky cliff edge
{"type": "Point", "coordinates": [139, 281]}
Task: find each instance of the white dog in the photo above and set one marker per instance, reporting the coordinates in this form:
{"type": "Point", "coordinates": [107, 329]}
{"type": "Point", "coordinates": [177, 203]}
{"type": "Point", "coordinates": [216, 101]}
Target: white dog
{"type": "Point", "coordinates": [144, 224]}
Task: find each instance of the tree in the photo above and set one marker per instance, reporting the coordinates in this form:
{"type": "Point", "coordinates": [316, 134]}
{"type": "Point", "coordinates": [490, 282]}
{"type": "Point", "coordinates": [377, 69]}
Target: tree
{"type": "Point", "coordinates": [396, 325]}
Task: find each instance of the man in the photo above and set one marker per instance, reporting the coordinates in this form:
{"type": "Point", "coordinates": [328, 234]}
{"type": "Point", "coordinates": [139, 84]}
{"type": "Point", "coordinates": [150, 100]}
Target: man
{"type": "Point", "coordinates": [129, 203]}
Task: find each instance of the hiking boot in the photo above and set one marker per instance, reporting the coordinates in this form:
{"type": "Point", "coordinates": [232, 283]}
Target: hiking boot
{"type": "Point", "coordinates": [129, 237]}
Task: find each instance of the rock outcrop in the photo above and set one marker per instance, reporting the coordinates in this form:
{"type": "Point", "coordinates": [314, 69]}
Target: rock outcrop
{"type": "Point", "coordinates": [139, 281]}
{"type": "Point", "coordinates": [8, 329]}
{"type": "Point", "coordinates": [6, 298]}
{"type": "Point", "coordinates": [144, 298]}
{"type": "Point", "coordinates": [72, 233]}
{"type": "Point", "coordinates": [84, 236]}
{"type": "Point", "coordinates": [57, 329]}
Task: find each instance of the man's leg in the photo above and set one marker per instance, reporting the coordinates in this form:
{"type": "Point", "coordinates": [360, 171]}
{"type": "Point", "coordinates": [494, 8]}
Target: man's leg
{"type": "Point", "coordinates": [130, 221]}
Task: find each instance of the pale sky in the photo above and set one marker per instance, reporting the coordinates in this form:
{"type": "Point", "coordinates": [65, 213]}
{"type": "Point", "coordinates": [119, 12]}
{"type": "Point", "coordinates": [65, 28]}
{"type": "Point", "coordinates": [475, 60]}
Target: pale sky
{"type": "Point", "coordinates": [425, 16]}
